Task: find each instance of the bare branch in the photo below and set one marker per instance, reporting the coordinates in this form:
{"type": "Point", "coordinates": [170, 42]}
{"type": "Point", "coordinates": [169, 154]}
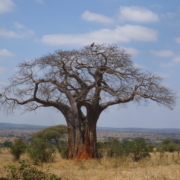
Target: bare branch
{"type": "Point", "coordinates": [99, 76]}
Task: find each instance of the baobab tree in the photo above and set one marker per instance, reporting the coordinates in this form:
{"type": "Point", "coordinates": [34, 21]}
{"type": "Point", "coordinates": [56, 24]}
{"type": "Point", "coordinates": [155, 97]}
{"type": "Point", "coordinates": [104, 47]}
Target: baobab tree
{"type": "Point", "coordinates": [94, 77]}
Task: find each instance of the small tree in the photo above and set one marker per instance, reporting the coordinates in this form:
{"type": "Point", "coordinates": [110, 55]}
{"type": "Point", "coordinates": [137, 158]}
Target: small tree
{"type": "Point", "coordinates": [168, 145]}
{"type": "Point", "coordinates": [140, 149]}
{"type": "Point", "coordinates": [7, 143]}
{"type": "Point", "coordinates": [53, 133]}
{"type": "Point", "coordinates": [18, 148]}
{"type": "Point", "coordinates": [95, 77]}
{"type": "Point", "coordinates": [136, 149]}
{"type": "Point", "coordinates": [166, 141]}
{"type": "Point", "coordinates": [114, 148]}
{"type": "Point", "coordinates": [41, 150]}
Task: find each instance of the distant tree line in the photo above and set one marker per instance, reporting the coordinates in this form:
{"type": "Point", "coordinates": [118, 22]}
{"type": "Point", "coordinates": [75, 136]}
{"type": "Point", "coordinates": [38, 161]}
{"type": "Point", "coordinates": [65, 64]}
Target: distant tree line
{"type": "Point", "coordinates": [44, 144]}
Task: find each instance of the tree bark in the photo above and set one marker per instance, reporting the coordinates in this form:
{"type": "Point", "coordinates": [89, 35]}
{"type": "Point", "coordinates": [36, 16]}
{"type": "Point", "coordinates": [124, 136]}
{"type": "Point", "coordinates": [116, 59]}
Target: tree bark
{"type": "Point", "coordinates": [82, 138]}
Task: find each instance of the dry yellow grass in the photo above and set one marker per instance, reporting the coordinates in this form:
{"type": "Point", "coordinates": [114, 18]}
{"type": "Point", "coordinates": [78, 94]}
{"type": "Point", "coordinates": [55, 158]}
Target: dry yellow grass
{"type": "Point", "coordinates": [158, 167]}
{"type": "Point", "coordinates": [2, 139]}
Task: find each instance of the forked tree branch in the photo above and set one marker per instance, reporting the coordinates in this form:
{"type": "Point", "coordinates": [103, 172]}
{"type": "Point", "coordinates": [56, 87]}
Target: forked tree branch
{"type": "Point", "coordinates": [98, 76]}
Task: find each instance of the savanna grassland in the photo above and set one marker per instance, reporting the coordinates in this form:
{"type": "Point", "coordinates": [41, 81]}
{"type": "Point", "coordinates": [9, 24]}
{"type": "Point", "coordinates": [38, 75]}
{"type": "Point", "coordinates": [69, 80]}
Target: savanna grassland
{"type": "Point", "coordinates": [161, 166]}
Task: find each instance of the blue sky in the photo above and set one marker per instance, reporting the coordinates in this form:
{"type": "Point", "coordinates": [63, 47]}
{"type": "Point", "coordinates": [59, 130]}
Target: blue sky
{"type": "Point", "coordinates": [148, 30]}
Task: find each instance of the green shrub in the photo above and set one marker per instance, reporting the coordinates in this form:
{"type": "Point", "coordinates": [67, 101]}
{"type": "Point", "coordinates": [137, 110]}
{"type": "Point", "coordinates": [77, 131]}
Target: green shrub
{"type": "Point", "coordinates": [63, 149]}
{"type": "Point", "coordinates": [115, 148]}
{"type": "Point", "coordinates": [136, 149]}
{"type": "Point", "coordinates": [7, 143]}
{"type": "Point", "coordinates": [166, 141]}
{"type": "Point", "coordinates": [41, 150]}
{"type": "Point", "coordinates": [18, 148]}
{"type": "Point", "coordinates": [28, 171]}
{"type": "Point", "coordinates": [168, 146]}
{"type": "Point", "coordinates": [139, 149]}
{"type": "Point", "coordinates": [101, 147]}
{"type": "Point", "coordinates": [54, 135]}
{"type": "Point", "coordinates": [151, 147]}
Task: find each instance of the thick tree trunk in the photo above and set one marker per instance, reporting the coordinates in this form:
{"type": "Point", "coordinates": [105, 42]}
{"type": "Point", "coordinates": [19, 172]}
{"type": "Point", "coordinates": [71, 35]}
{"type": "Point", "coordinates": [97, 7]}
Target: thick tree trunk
{"type": "Point", "coordinates": [82, 139]}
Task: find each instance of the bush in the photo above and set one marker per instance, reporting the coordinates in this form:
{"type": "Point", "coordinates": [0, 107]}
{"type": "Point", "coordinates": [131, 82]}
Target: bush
{"type": "Point", "coordinates": [18, 148]}
{"type": "Point", "coordinates": [63, 149]}
{"type": "Point", "coordinates": [151, 148]}
{"type": "Point", "coordinates": [7, 143]}
{"type": "Point", "coordinates": [28, 171]}
{"type": "Point", "coordinates": [101, 147]}
{"type": "Point", "coordinates": [41, 150]}
{"type": "Point", "coordinates": [136, 149]}
{"type": "Point", "coordinates": [166, 141]}
{"type": "Point", "coordinates": [54, 134]}
{"type": "Point", "coordinates": [168, 146]}
{"type": "Point", "coordinates": [139, 149]}
{"type": "Point", "coordinates": [115, 148]}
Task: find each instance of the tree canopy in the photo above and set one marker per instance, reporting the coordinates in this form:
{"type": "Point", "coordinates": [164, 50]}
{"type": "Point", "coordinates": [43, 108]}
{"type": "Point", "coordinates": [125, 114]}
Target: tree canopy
{"type": "Point", "coordinates": [99, 73]}
{"type": "Point", "coordinates": [52, 133]}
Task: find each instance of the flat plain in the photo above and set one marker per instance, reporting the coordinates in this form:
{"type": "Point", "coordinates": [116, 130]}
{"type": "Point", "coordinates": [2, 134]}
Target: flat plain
{"type": "Point", "coordinates": [158, 167]}
{"type": "Point", "coordinates": [161, 166]}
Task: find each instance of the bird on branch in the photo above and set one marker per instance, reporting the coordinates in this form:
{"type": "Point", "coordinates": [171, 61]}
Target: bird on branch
{"type": "Point", "coordinates": [92, 44]}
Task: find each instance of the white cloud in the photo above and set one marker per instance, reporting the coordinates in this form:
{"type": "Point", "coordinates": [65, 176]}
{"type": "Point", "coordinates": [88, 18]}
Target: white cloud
{"type": "Point", "coordinates": [2, 70]}
{"type": "Point", "coordinates": [164, 65]}
{"type": "Point", "coordinates": [9, 34]}
{"type": "Point", "coordinates": [125, 33]}
{"type": "Point", "coordinates": [19, 32]}
{"type": "Point", "coordinates": [168, 15]}
{"type": "Point", "coordinates": [177, 59]}
{"type": "Point", "coordinates": [40, 1]}
{"type": "Point", "coordinates": [131, 51]}
{"type": "Point", "coordinates": [163, 53]}
{"type": "Point", "coordinates": [177, 40]}
{"type": "Point", "coordinates": [13, 34]}
{"type": "Point", "coordinates": [6, 6]}
{"type": "Point", "coordinates": [96, 17]}
{"type": "Point", "coordinates": [163, 75]}
{"type": "Point", "coordinates": [139, 66]}
{"type": "Point", "coordinates": [137, 14]}
{"type": "Point", "coordinates": [18, 25]}
{"type": "Point", "coordinates": [5, 52]}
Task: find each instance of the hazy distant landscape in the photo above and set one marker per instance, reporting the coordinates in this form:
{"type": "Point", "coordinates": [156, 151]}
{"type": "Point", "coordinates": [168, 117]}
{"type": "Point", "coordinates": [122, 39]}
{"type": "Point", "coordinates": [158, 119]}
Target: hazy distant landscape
{"type": "Point", "coordinates": [152, 136]}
